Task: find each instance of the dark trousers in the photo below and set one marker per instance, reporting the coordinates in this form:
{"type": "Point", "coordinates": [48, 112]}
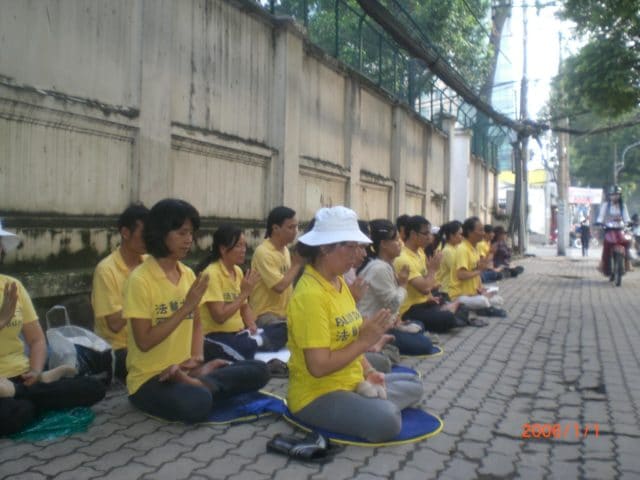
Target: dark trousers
{"type": "Point", "coordinates": [433, 319]}
{"type": "Point", "coordinates": [411, 343]}
{"type": "Point", "coordinates": [585, 246]}
{"type": "Point", "coordinates": [489, 276]}
{"type": "Point", "coordinates": [30, 401]}
{"type": "Point", "coordinates": [274, 338]}
{"type": "Point", "coordinates": [191, 404]}
{"type": "Point", "coordinates": [120, 359]}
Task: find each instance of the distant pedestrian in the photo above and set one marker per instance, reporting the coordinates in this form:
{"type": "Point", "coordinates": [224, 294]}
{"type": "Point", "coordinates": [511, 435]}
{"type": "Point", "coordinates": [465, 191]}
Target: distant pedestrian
{"type": "Point", "coordinates": [585, 236]}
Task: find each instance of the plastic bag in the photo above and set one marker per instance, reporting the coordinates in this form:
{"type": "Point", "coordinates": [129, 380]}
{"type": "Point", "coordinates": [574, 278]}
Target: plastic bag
{"type": "Point", "coordinates": [77, 346]}
{"type": "Point", "coordinates": [57, 424]}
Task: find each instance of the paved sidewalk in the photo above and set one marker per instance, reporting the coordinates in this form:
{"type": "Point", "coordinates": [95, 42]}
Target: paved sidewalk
{"type": "Point", "coordinates": [567, 355]}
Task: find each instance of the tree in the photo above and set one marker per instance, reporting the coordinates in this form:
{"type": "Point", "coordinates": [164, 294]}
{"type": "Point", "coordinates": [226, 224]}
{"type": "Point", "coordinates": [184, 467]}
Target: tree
{"type": "Point", "coordinates": [594, 151]}
{"type": "Point", "coordinates": [458, 29]}
{"type": "Point", "coordinates": [605, 73]}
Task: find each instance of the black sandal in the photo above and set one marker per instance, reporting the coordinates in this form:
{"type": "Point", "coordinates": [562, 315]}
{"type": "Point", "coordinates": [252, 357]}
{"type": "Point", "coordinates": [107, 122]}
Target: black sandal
{"type": "Point", "coordinates": [313, 448]}
{"type": "Point", "coordinates": [277, 368]}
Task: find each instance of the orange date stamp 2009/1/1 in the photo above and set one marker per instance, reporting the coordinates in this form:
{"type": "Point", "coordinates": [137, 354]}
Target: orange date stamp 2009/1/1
{"type": "Point", "coordinates": [559, 430]}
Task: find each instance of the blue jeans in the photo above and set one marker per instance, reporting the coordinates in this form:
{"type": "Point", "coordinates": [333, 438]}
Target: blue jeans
{"type": "Point", "coordinates": [412, 343]}
{"type": "Point", "coordinates": [191, 404]}
{"type": "Point", "coordinates": [489, 276]}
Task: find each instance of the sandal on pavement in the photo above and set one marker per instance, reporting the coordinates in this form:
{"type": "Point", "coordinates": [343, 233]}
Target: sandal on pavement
{"type": "Point", "coordinates": [313, 448]}
{"type": "Point", "coordinates": [277, 368]}
{"type": "Point", "coordinates": [477, 322]}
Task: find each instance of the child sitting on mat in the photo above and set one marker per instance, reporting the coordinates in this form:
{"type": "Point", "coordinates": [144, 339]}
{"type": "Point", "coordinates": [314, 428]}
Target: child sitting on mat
{"type": "Point", "coordinates": [226, 315]}
{"type": "Point", "coordinates": [328, 337]}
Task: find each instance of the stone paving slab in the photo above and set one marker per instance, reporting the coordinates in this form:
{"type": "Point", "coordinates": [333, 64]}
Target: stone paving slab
{"type": "Point", "coordinates": [566, 355]}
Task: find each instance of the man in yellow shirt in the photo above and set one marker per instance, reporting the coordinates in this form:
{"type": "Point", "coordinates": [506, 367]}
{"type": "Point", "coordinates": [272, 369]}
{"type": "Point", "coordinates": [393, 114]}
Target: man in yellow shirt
{"type": "Point", "coordinates": [491, 274]}
{"type": "Point", "coordinates": [108, 283]}
{"type": "Point", "coordinates": [465, 283]}
{"type": "Point", "coordinates": [277, 268]}
{"type": "Point", "coordinates": [419, 304]}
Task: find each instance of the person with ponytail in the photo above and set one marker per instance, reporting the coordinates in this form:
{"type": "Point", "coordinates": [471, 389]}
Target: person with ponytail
{"type": "Point", "coordinates": [451, 236]}
{"type": "Point", "coordinates": [388, 291]}
{"type": "Point", "coordinates": [227, 317]}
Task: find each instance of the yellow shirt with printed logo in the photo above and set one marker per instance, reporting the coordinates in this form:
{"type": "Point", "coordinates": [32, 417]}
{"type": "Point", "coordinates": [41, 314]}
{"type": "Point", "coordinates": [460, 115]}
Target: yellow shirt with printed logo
{"type": "Point", "coordinates": [271, 264]}
{"type": "Point", "coordinates": [467, 258]}
{"type": "Point", "coordinates": [106, 297]}
{"type": "Point", "coordinates": [13, 361]}
{"type": "Point", "coordinates": [222, 288]}
{"type": "Point", "coordinates": [319, 316]}
{"type": "Point", "coordinates": [417, 263]}
{"type": "Point", "coordinates": [447, 266]}
{"type": "Point", "coordinates": [149, 294]}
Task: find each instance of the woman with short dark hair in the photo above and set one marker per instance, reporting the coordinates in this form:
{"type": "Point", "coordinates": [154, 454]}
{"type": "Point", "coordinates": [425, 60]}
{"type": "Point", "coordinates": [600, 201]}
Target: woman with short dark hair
{"type": "Point", "coordinates": [167, 376]}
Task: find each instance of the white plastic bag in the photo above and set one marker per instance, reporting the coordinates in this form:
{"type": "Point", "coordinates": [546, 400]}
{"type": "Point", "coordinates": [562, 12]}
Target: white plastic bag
{"type": "Point", "coordinates": [62, 340]}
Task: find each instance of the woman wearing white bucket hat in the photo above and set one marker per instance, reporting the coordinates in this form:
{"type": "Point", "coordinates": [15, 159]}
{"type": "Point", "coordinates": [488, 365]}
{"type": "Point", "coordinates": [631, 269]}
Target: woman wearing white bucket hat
{"type": "Point", "coordinates": [26, 390]}
{"type": "Point", "coordinates": [328, 337]}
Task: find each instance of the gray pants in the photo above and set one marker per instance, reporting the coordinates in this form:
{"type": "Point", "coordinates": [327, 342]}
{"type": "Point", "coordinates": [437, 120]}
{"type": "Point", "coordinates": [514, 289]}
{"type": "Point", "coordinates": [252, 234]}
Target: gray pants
{"type": "Point", "coordinates": [373, 419]}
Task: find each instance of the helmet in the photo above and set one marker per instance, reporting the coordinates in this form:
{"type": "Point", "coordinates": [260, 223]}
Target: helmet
{"type": "Point", "coordinates": [615, 190]}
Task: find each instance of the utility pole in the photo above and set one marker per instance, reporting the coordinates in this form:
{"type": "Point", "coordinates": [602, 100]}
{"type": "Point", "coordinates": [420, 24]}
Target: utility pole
{"type": "Point", "coordinates": [563, 177]}
{"type": "Point", "coordinates": [523, 224]}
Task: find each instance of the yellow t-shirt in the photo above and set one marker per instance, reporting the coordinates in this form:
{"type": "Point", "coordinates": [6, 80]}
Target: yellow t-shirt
{"type": "Point", "coordinates": [106, 297]}
{"type": "Point", "coordinates": [222, 288]}
{"type": "Point", "coordinates": [447, 266]}
{"type": "Point", "coordinates": [271, 264]}
{"type": "Point", "coordinates": [483, 248]}
{"type": "Point", "coordinates": [466, 257]}
{"type": "Point", "coordinates": [13, 361]}
{"type": "Point", "coordinates": [417, 263]}
{"type": "Point", "coordinates": [320, 317]}
{"type": "Point", "coordinates": [148, 294]}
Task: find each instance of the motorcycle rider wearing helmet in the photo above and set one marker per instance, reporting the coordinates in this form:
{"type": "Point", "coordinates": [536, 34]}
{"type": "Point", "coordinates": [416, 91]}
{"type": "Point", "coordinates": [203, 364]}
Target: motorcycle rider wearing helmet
{"type": "Point", "coordinates": [613, 210]}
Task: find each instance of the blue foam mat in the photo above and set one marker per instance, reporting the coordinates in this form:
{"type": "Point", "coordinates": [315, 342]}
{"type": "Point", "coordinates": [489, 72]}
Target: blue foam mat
{"type": "Point", "coordinates": [417, 425]}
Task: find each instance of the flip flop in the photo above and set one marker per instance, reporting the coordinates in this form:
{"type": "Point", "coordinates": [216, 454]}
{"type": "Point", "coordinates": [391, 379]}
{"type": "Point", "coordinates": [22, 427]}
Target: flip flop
{"type": "Point", "coordinates": [477, 322]}
{"type": "Point", "coordinates": [277, 368]}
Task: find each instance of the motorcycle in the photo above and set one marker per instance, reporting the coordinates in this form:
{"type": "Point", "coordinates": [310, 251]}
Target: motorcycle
{"type": "Point", "coordinates": [618, 238]}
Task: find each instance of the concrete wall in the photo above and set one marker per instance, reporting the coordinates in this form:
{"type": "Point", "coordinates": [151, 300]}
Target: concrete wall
{"type": "Point", "coordinates": [213, 101]}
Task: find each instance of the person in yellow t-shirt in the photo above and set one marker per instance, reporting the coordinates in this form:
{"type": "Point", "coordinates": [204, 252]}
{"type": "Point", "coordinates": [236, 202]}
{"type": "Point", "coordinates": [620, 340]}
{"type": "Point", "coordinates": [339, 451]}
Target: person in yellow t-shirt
{"type": "Point", "coordinates": [419, 305]}
{"type": "Point", "coordinates": [108, 283]}
{"type": "Point", "coordinates": [276, 266]}
{"type": "Point", "coordinates": [485, 250]}
{"type": "Point", "coordinates": [167, 375]}
{"type": "Point", "coordinates": [328, 337]}
{"type": "Point", "coordinates": [451, 233]}
{"type": "Point", "coordinates": [227, 317]}
{"type": "Point", "coordinates": [466, 284]}
{"type": "Point", "coordinates": [26, 389]}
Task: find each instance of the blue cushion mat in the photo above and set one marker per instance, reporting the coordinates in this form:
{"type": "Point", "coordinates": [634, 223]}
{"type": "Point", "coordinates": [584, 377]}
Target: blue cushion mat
{"type": "Point", "coordinates": [417, 425]}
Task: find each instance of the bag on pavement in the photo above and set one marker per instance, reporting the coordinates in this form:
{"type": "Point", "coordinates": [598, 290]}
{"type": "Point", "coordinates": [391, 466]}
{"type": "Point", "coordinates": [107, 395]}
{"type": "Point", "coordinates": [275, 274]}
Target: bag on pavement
{"type": "Point", "coordinates": [79, 347]}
